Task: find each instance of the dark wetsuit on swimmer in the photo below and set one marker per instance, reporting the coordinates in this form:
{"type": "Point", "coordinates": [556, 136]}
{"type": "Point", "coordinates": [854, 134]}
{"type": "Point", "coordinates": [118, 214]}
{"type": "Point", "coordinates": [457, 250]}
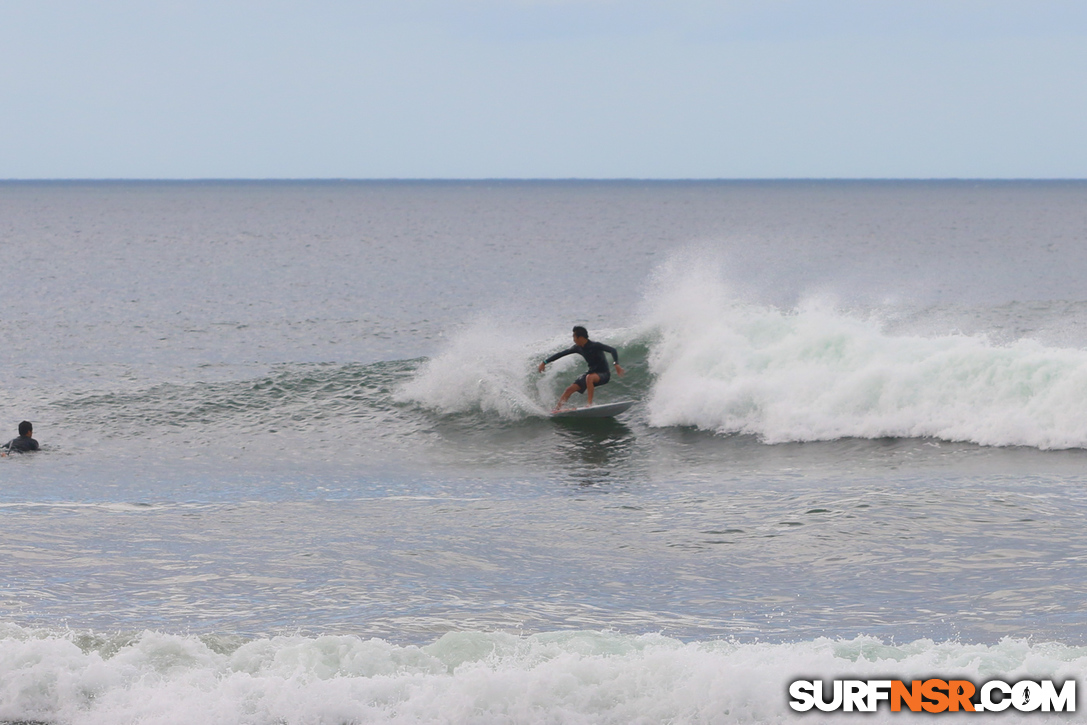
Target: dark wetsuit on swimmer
{"type": "Point", "coordinates": [593, 352]}
{"type": "Point", "coordinates": [22, 444]}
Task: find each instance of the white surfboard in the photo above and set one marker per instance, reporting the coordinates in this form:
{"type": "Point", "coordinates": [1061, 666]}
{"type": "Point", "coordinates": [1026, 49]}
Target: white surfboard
{"type": "Point", "coordinates": [606, 410]}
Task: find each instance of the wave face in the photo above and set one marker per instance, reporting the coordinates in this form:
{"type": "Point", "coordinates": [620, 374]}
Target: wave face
{"type": "Point", "coordinates": [465, 677]}
{"type": "Point", "coordinates": [815, 373]}
{"type": "Point", "coordinates": [697, 356]}
{"type": "Point", "coordinates": [703, 357]}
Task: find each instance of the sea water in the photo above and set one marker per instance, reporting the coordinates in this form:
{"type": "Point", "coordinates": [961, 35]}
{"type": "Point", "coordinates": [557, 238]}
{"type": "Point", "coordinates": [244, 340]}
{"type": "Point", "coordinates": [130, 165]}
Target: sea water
{"type": "Point", "coordinates": [297, 465]}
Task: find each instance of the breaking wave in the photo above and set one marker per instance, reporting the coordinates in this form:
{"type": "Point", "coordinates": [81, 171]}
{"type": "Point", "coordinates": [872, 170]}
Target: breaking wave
{"type": "Point", "coordinates": [697, 355]}
{"type": "Point", "coordinates": [816, 373]}
{"type": "Point", "coordinates": [702, 357]}
{"type": "Point", "coordinates": [465, 677]}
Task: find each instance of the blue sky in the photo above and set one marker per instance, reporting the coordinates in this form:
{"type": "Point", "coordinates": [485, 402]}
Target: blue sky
{"type": "Point", "coordinates": [543, 89]}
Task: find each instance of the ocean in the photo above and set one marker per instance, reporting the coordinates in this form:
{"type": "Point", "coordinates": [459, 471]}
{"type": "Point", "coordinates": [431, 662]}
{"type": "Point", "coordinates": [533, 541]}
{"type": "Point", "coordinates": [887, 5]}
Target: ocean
{"type": "Point", "coordinates": [297, 464]}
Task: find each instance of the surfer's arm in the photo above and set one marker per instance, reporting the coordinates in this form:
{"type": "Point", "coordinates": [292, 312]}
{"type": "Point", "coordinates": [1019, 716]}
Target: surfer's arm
{"type": "Point", "coordinates": [614, 357]}
{"type": "Point", "coordinates": [556, 356]}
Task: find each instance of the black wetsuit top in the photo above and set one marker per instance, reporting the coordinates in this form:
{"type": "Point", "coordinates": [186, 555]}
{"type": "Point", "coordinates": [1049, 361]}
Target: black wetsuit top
{"type": "Point", "coordinates": [593, 352]}
{"type": "Point", "coordinates": [22, 444]}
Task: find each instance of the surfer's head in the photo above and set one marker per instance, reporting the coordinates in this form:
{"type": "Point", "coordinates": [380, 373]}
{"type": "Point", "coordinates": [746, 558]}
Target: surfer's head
{"type": "Point", "coordinates": [581, 335]}
{"type": "Point", "coordinates": [25, 428]}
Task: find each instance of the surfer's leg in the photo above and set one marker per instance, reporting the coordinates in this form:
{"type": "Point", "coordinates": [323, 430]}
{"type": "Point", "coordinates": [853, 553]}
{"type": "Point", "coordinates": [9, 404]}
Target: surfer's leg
{"type": "Point", "coordinates": [578, 387]}
{"type": "Point", "coordinates": [590, 385]}
{"type": "Point", "coordinates": [575, 388]}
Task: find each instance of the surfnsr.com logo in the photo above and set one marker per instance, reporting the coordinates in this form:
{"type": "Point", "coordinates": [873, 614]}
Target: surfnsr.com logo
{"type": "Point", "coordinates": [933, 695]}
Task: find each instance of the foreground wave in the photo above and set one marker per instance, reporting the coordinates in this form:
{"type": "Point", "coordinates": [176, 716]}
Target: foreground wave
{"type": "Point", "coordinates": [702, 357]}
{"type": "Point", "coordinates": [697, 356]}
{"type": "Point", "coordinates": [464, 677]}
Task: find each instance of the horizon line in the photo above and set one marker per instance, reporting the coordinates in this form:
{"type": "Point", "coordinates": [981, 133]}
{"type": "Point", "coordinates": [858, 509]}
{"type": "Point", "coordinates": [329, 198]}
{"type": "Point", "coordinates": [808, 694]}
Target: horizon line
{"type": "Point", "coordinates": [531, 179]}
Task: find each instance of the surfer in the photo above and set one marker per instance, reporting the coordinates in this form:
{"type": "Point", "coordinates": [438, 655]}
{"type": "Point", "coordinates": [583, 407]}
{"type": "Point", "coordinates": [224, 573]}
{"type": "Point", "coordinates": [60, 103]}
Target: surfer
{"type": "Point", "coordinates": [598, 373]}
{"type": "Point", "coordinates": [24, 443]}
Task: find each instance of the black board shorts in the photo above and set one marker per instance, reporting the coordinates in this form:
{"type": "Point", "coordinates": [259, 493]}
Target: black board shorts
{"type": "Point", "coordinates": [582, 385]}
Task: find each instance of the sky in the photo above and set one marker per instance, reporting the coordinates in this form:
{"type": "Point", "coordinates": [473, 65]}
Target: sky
{"type": "Point", "coordinates": [648, 89]}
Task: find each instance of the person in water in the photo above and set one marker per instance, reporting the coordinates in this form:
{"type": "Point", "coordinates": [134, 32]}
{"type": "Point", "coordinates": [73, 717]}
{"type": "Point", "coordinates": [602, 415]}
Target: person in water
{"type": "Point", "coordinates": [598, 373]}
{"type": "Point", "coordinates": [24, 443]}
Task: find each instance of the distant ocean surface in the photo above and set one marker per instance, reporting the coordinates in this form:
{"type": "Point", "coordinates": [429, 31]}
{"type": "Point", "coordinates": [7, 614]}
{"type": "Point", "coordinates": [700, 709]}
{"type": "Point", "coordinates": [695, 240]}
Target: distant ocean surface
{"type": "Point", "coordinates": [297, 465]}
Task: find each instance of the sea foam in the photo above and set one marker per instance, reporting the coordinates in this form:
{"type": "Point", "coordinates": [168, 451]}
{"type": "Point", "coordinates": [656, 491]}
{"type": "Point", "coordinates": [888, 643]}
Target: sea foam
{"type": "Point", "coordinates": [485, 368]}
{"type": "Point", "coordinates": [466, 677]}
{"type": "Point", "coordinates": [817, 373]}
